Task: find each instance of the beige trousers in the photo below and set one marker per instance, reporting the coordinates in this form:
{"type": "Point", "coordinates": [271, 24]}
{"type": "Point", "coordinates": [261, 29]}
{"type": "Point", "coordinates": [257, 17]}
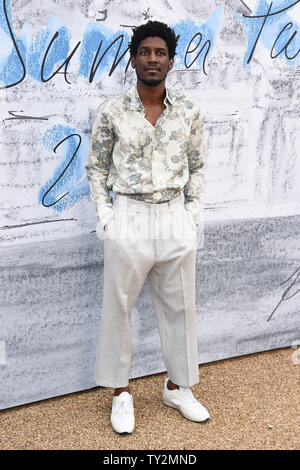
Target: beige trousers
{"type": "Point", "coordinates": [158, 241]}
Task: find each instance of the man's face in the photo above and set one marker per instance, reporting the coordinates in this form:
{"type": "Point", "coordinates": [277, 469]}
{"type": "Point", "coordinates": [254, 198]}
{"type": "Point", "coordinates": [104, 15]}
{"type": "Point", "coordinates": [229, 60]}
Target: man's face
{"type": "Point", "coordinates": [152, 61]}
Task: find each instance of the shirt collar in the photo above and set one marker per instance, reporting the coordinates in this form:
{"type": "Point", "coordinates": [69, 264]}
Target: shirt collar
{"type": "Point", "coordinates": [134, 101]}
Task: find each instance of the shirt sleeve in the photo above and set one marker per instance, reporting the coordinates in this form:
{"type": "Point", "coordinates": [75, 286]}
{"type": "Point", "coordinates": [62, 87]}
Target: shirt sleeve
{"type": "Point", "coordinates": [98, 162]}
{"type": "Point", "coordinates": [193, 190]}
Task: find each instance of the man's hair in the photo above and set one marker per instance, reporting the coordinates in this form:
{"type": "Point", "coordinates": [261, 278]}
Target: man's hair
{"type": "Point", "coordinates": [151, 29]}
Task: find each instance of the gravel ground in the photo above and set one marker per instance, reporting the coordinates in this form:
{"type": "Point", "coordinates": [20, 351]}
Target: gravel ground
{"type": "Point", "coordinates": [253, 400]}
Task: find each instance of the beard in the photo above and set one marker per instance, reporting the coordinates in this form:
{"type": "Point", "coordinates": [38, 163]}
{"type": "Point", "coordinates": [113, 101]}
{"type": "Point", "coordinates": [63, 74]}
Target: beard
{"type": "Point", "coordinates": [152, 82]}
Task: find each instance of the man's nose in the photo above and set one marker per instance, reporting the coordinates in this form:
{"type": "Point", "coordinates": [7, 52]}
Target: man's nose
{"type": "Point", "coordinates": [152, 57]}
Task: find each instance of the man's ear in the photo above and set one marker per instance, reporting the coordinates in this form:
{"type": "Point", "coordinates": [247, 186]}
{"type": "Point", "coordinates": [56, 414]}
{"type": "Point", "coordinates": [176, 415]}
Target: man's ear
{"type": "Point", "coordinates": [132, 60]}
{"type": "Point", "coordinates": [171, 63]}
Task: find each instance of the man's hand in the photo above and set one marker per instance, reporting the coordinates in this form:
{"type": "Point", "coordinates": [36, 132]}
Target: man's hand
{"type": "Point", "coordinates": [100, 231]}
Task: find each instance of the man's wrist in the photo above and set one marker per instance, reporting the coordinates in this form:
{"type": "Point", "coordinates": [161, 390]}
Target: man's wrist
{"type": "Point", "coordinates": [188, 208]}
{"type": "Point", "coordinates": [105, 215]}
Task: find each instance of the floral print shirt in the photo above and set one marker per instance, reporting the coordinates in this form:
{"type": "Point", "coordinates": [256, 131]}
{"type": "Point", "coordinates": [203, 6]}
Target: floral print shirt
{"type": "Point", "coordinates": [152, 163]}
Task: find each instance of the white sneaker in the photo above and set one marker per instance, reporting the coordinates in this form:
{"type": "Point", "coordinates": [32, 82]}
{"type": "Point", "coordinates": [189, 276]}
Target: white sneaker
{"type": "Point", "coordinates": [122, 413]}
{"type": "Point", "coordinates": [183, 400]}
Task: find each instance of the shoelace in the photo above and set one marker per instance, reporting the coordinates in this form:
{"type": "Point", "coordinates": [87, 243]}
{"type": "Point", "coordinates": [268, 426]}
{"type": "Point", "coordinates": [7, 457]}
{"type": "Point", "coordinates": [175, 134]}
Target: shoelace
{"type": "Point", "coordinates": [189, 394]}
{"type": "Point", "coordinates": [122, 407]}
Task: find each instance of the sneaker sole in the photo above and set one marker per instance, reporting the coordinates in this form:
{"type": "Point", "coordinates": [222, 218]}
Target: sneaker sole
{"type": "Point", "coordinates": [130, 430]}
{"type": "Point", "coordinates": [183, 414]}
{"type": "Point", "coordinates": [122, 432]}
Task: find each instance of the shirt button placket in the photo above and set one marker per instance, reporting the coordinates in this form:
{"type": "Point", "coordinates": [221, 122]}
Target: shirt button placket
{"type": "Point", "coordinates": [153, 158]}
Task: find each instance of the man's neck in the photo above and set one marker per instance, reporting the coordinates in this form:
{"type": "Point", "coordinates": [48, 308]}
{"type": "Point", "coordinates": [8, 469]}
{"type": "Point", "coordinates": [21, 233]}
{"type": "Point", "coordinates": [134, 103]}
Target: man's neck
{"type": "Point", "coordinates": [151, 95]}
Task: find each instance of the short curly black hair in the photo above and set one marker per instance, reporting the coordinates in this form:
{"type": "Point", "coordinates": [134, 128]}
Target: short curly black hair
{"type": "Point", "coordinates": [153, 28]}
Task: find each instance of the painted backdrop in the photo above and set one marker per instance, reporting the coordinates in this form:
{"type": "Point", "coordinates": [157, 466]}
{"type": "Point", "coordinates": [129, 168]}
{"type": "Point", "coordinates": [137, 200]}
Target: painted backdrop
{"type": "Point", "coordinates": [59, 59]}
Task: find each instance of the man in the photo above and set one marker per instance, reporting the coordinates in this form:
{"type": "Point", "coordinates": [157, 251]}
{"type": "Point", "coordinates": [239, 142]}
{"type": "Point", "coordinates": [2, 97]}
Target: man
{"type": "Point", "coordinates": [147, 146]}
